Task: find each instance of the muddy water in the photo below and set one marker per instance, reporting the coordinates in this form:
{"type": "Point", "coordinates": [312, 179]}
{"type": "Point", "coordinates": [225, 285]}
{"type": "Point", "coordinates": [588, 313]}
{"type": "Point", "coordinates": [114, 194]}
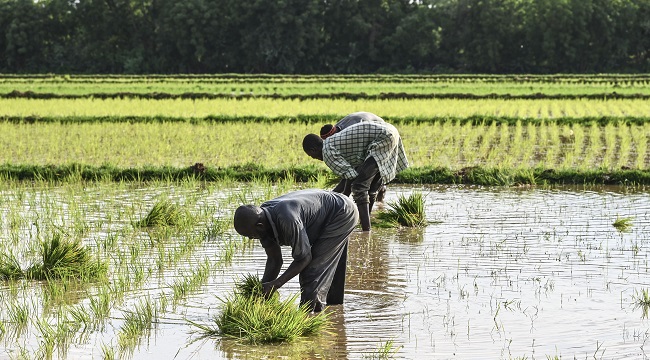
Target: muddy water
{"type": "Point", "coordinates": [499, 274]}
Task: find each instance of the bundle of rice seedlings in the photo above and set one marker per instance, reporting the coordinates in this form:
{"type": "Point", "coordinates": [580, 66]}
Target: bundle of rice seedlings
{"type": "Point", "coordinates": [248, 286]}
{"type": "Point", "coordinates": [623, 224]}
{"type": "Point", "coordinates": [405, 212]}
{"type": "Point", "coordinates": [164, 213]}
{"type": "Point", "coordinates": [65, 258]}
{"type": "Point", "coordinates": [258, 320]}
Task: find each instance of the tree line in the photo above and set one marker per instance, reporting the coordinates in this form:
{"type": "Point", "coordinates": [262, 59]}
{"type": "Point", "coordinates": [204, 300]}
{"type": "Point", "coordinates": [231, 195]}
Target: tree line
{"type": "Point", "coordinates": [324, 36]}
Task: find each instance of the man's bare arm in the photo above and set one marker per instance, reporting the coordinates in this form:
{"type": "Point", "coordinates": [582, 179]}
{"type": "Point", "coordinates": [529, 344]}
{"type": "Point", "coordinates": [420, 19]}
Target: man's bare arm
{"type": "Point", "coordinates": [294, 269]}
{"type": "Point", "coordinates": [273, 263]}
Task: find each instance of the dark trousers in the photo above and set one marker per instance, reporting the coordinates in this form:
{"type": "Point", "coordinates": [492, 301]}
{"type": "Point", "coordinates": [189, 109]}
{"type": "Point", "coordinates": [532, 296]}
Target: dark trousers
{"type": "Point", "coordinates": [365, 186]}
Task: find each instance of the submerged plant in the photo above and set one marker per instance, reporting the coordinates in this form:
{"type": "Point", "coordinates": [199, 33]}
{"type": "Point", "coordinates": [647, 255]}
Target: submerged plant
{"type": "Point", "coordinates": [623, 224]}
{"type": "Point", "coordinates": [164, 213]}
{"type": "Point", "coordinates": [258, 319]}
{"type": "Point", "coordinates": [406, 211]}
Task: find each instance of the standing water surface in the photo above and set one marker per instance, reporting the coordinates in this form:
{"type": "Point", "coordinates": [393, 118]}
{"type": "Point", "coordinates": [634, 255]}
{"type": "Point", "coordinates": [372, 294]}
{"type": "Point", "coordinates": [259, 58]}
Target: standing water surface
{"type": "Point", "coordinates": [499, 273]}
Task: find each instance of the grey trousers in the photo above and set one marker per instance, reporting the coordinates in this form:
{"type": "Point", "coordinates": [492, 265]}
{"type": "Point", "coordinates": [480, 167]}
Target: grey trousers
{"type": "Point", "coordinates": [323, 280]}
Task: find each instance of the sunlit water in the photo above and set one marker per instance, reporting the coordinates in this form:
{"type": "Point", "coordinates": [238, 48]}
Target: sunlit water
{"type": "Point", "coordinates": [499, 274]}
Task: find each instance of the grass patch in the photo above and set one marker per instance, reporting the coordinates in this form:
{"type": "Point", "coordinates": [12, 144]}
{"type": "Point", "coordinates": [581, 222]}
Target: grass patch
{"type": "Point", "coordinates": [164, 213]}
{"type": "Point", "coordinates": [259, 320]}
{"type": "Point", "coordinates": [406, 211]}
{"type": "Point", "coordinates": [476, 175]}
{"type": "Point", "coordinates": [59, 258]}
{"type": "Point", "coordinates": [623, 224]}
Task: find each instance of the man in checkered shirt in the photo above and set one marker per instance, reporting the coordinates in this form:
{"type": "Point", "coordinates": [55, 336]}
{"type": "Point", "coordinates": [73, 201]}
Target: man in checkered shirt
{"type": "Point", "coordinates": [328, 130]}
{"type": "Point", "coordinates": [368, 154]}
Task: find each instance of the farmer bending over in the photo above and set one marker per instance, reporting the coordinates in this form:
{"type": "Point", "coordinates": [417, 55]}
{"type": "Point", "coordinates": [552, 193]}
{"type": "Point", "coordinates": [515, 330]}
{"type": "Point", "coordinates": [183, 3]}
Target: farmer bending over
{"type": "Point", "coordinates": [362, 116]}
{"type": "Point", "coordinates": [316, 224]}
{"type": "Point", "coordinates": [367, 154]}
{"type": "Point", "coordinates": [328, 130]}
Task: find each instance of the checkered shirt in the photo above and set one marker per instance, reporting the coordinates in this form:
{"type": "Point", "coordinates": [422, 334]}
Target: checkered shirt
{"type": "Point", "coordinates": [346, 150]}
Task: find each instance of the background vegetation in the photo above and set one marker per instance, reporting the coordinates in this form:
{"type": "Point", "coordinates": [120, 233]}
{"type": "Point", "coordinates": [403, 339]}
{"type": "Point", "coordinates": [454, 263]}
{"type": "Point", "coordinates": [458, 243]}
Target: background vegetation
{"type": "Point", "coordinates": [315, 36]}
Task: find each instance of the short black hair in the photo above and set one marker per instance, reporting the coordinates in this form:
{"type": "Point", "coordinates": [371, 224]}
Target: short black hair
{"type": "Point", "coordinates": [312, 141]}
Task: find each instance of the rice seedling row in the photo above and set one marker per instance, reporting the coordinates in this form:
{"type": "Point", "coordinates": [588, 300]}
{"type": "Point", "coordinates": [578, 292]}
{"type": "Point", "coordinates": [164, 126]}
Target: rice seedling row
{"type": "Point", "coordinates": [220, 145]}
{"type": "Point", "coordinates": [199, 108]}
{"type": "Point", "coordinates": [347, 95]}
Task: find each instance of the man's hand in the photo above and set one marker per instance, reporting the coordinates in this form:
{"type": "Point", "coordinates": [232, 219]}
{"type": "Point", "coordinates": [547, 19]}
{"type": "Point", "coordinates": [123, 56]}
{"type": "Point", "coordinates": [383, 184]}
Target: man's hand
{"type": "Point", "coordinates": [268, 288]}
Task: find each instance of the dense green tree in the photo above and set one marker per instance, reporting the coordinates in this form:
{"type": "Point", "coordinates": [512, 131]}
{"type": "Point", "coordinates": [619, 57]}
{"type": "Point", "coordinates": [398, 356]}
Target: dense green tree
{"type": "Point", "coordinates": [414, 43]}
{"type": "Point", "coordinates": [324, 36]}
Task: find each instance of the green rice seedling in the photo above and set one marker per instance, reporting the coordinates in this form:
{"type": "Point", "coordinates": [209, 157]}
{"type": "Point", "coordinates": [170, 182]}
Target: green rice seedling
{"type": "Point", "coordinates": [183, 286]}
{"type": "Point", "coordinates": [66, 258]}
{"type": "Point", "coordinates": [258, 320]}
{"type": "Point", "coordinates": [48, 335]}
{"type": "Point", "coordinates": [165, 213]}
{"type": "Point", "coordinates": [65, 290]}
{"type": "Point", "coordinates": [136, 323]}
{"type": "Point", "coordinates": [10, 267]}
{"type": "Point", "coordinates": [386, 350]}
{"type": "Point", "coordinates": [623, 224]}
{"type": "Point", "coordinates": [406, 211]}
{"type": "Point", "coordinates": [249, 286]}
{"type": "Point", "coordinates": [108, 352]}
{"type": "Point", "coordinates": [79, 315]}
{"type": "Point", "coordinates": [18, 314]}
{"type": "Point", "coordinates": [642, 299]}
{"type": "Point", "coordinates": [101, 303]}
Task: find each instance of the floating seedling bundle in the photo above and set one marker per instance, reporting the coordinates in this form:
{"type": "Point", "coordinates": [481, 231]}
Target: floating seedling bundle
{"type": "Point", "coordinates": [249, 315]}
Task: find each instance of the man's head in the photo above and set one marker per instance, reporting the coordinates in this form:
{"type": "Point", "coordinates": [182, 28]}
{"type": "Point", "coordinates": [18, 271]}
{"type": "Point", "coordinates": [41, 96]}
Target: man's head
{"type": "Point", "coordinates": [313, 146]}
{"type": "Point", "coordinates": [249, 221]}
{"type": "Point", "coordinates": [327, 130]}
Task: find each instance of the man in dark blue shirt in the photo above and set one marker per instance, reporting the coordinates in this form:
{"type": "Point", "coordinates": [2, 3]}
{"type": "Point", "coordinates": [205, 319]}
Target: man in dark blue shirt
{"type": "Point", "coordinates": [316, 224]}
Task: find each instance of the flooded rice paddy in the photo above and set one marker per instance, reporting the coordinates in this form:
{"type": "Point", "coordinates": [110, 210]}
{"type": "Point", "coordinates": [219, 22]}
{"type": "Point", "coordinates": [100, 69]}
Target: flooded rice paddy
{"type": "Point", "coordinates": [500, 273]}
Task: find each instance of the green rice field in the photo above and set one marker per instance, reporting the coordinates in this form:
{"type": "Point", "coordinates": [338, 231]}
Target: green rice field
{"type": "Point", "coordinates": [116, 205]}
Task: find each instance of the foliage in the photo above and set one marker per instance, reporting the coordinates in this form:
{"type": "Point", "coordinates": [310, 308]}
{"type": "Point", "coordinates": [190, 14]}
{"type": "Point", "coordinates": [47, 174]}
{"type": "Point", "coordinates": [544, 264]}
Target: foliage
{"type": "Point", "coordinates": [413, 175]}
{"type": "Point", "coordinates": [367, 36]}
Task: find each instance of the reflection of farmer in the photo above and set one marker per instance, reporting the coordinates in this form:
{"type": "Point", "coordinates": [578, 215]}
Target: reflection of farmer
{"type": "Point", "coordinates": [316, 224]}
{"type": "Point", "coordinates": [367, 154]}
